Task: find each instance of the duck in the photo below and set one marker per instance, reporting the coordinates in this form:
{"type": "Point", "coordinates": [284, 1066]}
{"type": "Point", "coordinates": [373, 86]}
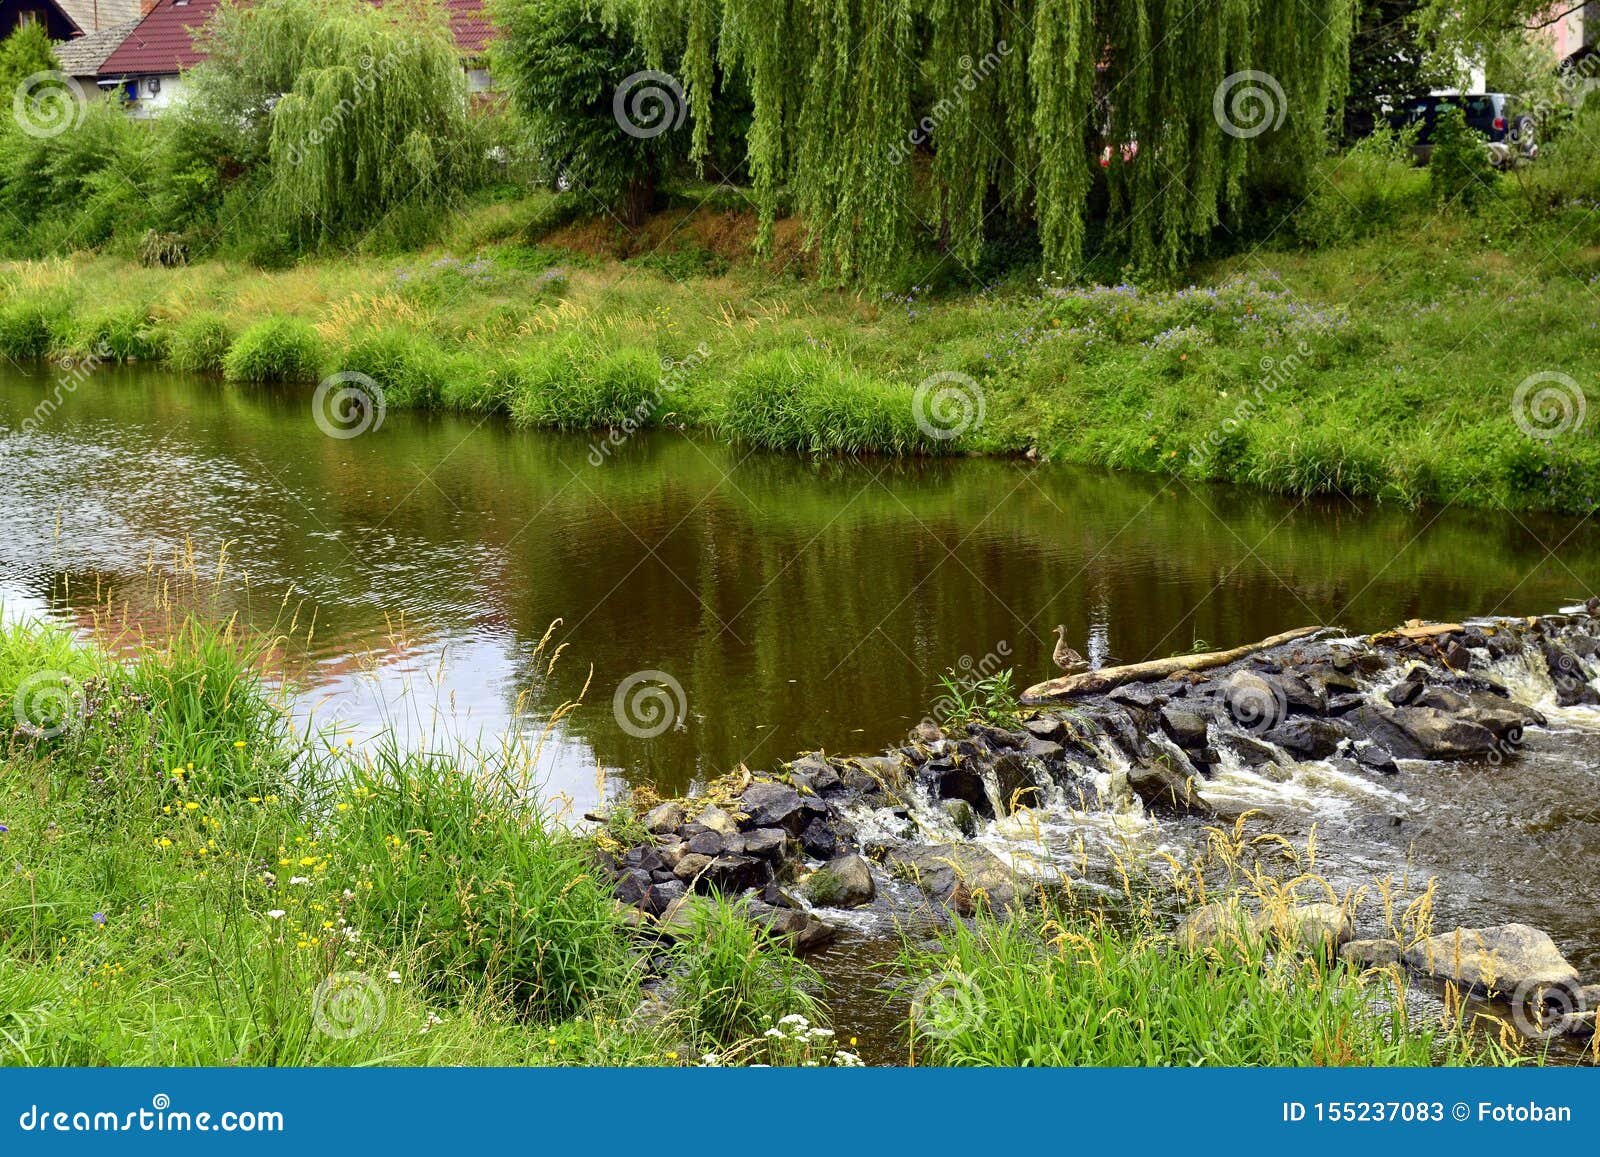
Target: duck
{"type": "Point", "coordinates": [1065, 657]}
{"type": "Point", "coordinates": [1593, 605]}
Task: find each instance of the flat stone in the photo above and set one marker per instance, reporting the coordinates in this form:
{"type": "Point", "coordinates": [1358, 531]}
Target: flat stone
{"type": "Point", "coordinates": [661, 895]}
{"type": "Point", "coordinates": [1318, 929]}
{"type": "Point", "coordinates": [691, 865]}
{"type": "Point", "coordinates": [769, 843]}
{"type": "Point", "coordinates": [816, 773]}
{"type": "Point", "coordinates": [731, 874]}
{"type": "Point", "coordinates": [718, 820]}
{"type": "Point", "coordinates": [1186, 728]}
{"type": "Point", "coordinates": [965, 876]}
{"type": "Point", "coordinates": [819, 839]}
{"type": "Point", "coordinates": [1047, 728]}
{"type": "Point", "coordinates": [1306, 738]}
{"type": "Point", "coordinates": [776, 805]}
{"type": "Point", "coordinates": [706, 844]}
{"type": "Point", "coordinates": [1508, 959]}
{"type": "Point", "coordinates": [664, 818]}
{"type": "Point", "coordinates": [1370, 953]}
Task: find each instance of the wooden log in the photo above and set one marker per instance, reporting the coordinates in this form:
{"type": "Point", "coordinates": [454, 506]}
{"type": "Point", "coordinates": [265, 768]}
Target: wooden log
{"type": "Point", "coordinates": [1415, 633]}
{"type": "Point", "coordinates": [1098, 682]}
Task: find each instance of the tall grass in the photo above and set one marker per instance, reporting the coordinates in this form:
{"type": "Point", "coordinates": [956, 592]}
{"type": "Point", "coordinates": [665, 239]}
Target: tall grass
{"type": "Point", "coordinates": [786, 400]}
{"type": "Point", "coordinates": [277, 349]}
{"type": "Point", "coordinates": [200, 343]}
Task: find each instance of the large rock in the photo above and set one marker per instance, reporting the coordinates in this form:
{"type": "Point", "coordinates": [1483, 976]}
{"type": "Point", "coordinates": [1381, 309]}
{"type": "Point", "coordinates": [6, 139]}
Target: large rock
{"type": "Point", "coordinates": [815, 773]}
{"type": "Point", "coordinates": [776, 805]}
{"type": "Point", "coordinates": [1442, 736]}
{"type": "Point", "coordinates": [1165, 784]}
{"type": "Point", "coordinates": [1306, 738]}
{"type": "Point", "coordinates": [962, 781]}
{"type": "Point", "coordinates": [664, 818]}
{"type": "Point", "coordinates": [962, 875]}
{"type": "Point", "coordinates": [1218, 925]}
{"type": "Point", "coordinates": [1015, 782]}
{"type": "Point", "coordinates": [717, 819]}
{"type": "Point", "coordinates": [1570, 677]}
{"type": "Point", "coordinates": [1318, 929]}
{"type": "Point", "coordinates": [801, 930]}
{"type": "Point", "coordinates": [1186, 728]}
{"type": "Point", "coordinates": [1505, 960]}
{"type": "Point", "coordinates": [1371, 953]}
{"type": "Point", "coordinates": [845, 882]}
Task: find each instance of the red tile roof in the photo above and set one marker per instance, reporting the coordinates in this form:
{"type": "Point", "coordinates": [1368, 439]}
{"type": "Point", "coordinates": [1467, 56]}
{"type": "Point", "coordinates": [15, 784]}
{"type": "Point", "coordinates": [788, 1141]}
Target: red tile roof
{"type": "Point", "coordinates": [162, 43]}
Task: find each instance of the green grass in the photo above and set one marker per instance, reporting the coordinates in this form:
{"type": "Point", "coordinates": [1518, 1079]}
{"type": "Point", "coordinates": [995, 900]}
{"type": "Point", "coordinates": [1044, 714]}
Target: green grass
{"type": "Point", "coordinates": [199, 343]}
{"type": "Point", "coordinates": [277, 349]}
{"type": "Point", "coordinates": [1081, 990]}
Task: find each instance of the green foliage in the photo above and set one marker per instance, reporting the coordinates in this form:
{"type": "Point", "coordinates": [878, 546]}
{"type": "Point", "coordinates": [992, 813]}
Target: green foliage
{"type": "Point", "coordinates": [812, 402]}
{"type": "Point", "coordinates": [990, 698]}
{"type": "Point", "coordinates": [118, 333]}
{"type": "Point", "coordinates": [24, 53]}
{"type": "Point", "coordinates": [561, 385]}
{"type": "Point", "coordinates": [1460, 172]}
{"type": "Point", "coordinates": [733, 980]}
{"type": "Point", "coordinates": [408, 367]}
{"type": "Point", "coordinates": [199, 343]}
{"type": "Point", "coordinates": [28, 325]}
{"type": "Point", "coordinates": [277, 349]}
{"type": "Point", "coordinates": [1372, 187]}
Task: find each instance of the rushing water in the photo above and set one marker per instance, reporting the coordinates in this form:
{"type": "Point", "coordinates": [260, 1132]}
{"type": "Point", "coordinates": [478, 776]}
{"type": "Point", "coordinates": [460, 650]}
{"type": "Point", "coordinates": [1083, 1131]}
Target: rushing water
{"type": "Point", "coordinates": [797, 603]}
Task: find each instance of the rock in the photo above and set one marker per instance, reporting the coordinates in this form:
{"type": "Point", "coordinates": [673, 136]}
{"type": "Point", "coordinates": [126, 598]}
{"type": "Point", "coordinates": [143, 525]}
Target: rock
{"type": "Point", "coordinates": [1187, 729]}
{"type": "Point", "coordinates": [1317, 929]}
{"type": "Point", "coordinates": [800, 929]}
{"type": "Point", "coordinates": [1369, 754]}
{"type": "Point", "coordinates": [964, 876]}
{"type": "Point", "coordinates": [1408, 688]}
{"type": "Point", "coordinates": [647, 859]}
{"type": "Point", "coordinates": [632, 886]}
{"type": "Point", "coordinates": [845, 882]}
{"type": "Point", "coordinates": [672, 854]}
{"type": "Point", "coordinates": [769, 843]}
{"type": "Point", "coordinates": [680, 917]}
{"type": "Point", "coordinates": [885, 770]}
{"type": "Point", "coordinates": [960, 781]}
{"type": "Point", "coordinates": [664, 818]}
{"type": "Point", "coordinates": [717, 820]}
{"type": "Point", "coordinates": [662, 895]}
{"type": "Point", "coordinates": [962, 815]}
{"type": "Point", "coordinates": [1508, 960]}
{"type": "Point", "coordinates": [926, 732]}
{"type": "Point", "coordinates": [776, 805]}
{"type": "Point", "coordinates": [1042, 749]}
{"type": "Point", "coordinates": [1302, 695]}
{"type": "Point", "coordinates": [1306, 738]}
{"type": "Point", "coordinates": [816, 773]}
{"type": "Point", "coordinates": [1251, 751]}
{"type": "Point", "coordinates": [1217, 925]}
{"type": "Point", "coordinates": [690, 866]}
{"type": "Point", "coordinates": [1140, 695]}
{"type": "Point", "coordinates": [1567, 672]}
{"type": "Point", "coordinates": [706, 844]}
{"type": "Point", "coordinates": [732, 874]}
{"type": "Point", "coordinates": [1046, 729]}
{"type": "Point", "coordinates": [1440, 736]}
{"type": "Point", "coordinates": [819, 840]}
{"type": "Point", "coordinates": [859, 781]}
{"type": "Point", "coordinates": [1370, 953]}
{"type": "Point", "coordinates": [1014, 779]}
{"type": "Point", "coordinates": [1165, 786]}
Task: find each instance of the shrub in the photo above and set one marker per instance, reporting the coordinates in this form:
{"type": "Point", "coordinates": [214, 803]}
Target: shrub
{"type": "Point", "coordinates": [409, 368]}
{"type": "Point", "coordinates": [1459, 171]}
{"type": "Point", "coordinates": [119, 333]}
{"type": "Point", "coordinates": [557, 385]}
{"type": "Point", "coordinates": [27, 327]}
{"type": "Point", "coordinates": [811, 402]}
{"type": "Point", "coordinates": [199, 343]}
{"type": "Point", "coordinates": [278, 349]}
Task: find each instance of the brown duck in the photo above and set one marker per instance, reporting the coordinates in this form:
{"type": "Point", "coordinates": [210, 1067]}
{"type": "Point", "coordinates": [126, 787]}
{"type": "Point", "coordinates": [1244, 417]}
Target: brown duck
{"type": "Point", "coordinates": [1065, 657]}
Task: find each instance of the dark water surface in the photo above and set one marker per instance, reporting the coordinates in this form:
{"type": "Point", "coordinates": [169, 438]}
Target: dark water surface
{"type": "Point", "coordinates": [797, 603]}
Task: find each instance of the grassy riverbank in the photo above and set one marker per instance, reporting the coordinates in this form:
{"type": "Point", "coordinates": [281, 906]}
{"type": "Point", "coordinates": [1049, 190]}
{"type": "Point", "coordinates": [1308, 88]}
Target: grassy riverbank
{"type": "Point", "coordinates": [189, 882]}
{"type": "Point", "coordinates": [1382, 362]}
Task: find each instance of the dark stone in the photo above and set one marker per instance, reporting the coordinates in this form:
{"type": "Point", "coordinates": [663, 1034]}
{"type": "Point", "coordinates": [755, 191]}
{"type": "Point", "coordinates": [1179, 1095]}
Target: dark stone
{"type": "Point", "coordinates": [1569, 675]}
{"type": "Point", "coordinates": [632, 886]}
{"type": "Point", "coordinates": [706, 844]}
{"type": "Point", "coordinates": [1375, 757]}
{"type": "Point", "coordinates": [859, 781]}
{"type": "Point", "coordinates": [1251, 751]}
{"type": "Point", "coordinates": [1344, 704]}
{"type": "Point", "coordinates": [691, 866]}
{"type": "Point", "coordinates": [1307, 738]}
{"type": "Point", "coordinates": [1334, 681]}
{"type": "Point", "coordinates": [1407, 690]}
{"type": "Point", "coordinates": [926, 732]}
{"type": "Point", "coordinates": [962, 815]}
{"type": "Point", "coordinates": [817, 773]}
{"type": "Point", "coordinates": [1426, 733]}
{"type": "Point", "coordinates": [1165, 785]}
{"type": "Point", "coordinates": [964, 783]}
{"type": "Point", "coordinates": [1301, 695]}
{"type": "Point", "coordinates": [1043, 749]}
{"type": "Point", "coordinates": [768, 843]}
{"type": "Point", "coordinates": [1140, 695]}
{"type": "Point", "coordinates": [775, 805]}
{"type": "Point", "coordinates": [1014, 778]}
{"type": "Point", "coordinates": [818, 840]}
{"type": "Point", "coordinates": [646, 859]}
{"type": "Point", "coordinates": [965, 876]}
{"type": "Point", "coordinates": [801, 930]}
{"type": "Point", "coordinates": [661, 894]}
{"type": "Point", "coordinates": [1186, 729]}
{"type": "Point", "coordinates": [731, 874]}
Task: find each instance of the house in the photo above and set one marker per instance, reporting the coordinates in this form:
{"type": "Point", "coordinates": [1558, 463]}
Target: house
{"type": "Point", "coordinates": [149, 64]}
{"type": "Point", "coordinates": [58, 22]}
{"type": "Point", "coordinates": [82, 57]}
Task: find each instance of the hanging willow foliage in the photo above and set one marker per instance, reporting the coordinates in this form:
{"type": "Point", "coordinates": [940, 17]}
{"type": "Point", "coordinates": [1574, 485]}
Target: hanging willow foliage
{"type": "Point", "coordinates": [1190, 110]}
{"type": "Point", "coordinates": [373, 111]}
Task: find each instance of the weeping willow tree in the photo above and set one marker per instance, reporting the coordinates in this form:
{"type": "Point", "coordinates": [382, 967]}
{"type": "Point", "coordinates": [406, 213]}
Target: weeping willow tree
{"type": "Point", "coordinates": [358, 110]}
{"type": "Point", "coordinates": [1190, 114]}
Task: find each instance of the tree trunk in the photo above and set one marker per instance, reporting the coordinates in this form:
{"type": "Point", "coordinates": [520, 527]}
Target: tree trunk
{"type": "Point", "coordinates": [638, 201]}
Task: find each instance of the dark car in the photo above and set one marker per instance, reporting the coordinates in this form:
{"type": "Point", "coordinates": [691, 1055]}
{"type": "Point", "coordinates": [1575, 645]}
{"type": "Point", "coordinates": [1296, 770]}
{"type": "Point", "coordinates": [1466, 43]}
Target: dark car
{"type": "Point", "coordinates": [1511, 134]}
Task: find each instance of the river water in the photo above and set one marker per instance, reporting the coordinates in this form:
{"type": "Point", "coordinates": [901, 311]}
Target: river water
{"type": "Point", "coordinates": [780, 603]}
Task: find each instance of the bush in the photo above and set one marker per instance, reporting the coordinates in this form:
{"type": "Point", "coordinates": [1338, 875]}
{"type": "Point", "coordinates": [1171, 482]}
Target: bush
{"type": "Point", "coordinates": [119, 333]}
{"type": "Point", "coordinates": [28, 327]}
{"type": "Point", "coordinates": [408, 367]}
{"type": "Point", "coordinates": [279, 349]}
{"type": "Point", "coordinates": [469, 874]}
{"type": "Point", "coordinates": [559, 385]}
{"type": "Point", "coordinates": [199, 343]}
{"type": "Point", "coordinates": [811, 402]}
{"type": "Point", "coordinates": [1459, 171]}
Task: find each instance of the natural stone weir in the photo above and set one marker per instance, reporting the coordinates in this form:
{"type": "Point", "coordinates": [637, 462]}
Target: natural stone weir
{"type": "Point", "coordinates": [805, 841]}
